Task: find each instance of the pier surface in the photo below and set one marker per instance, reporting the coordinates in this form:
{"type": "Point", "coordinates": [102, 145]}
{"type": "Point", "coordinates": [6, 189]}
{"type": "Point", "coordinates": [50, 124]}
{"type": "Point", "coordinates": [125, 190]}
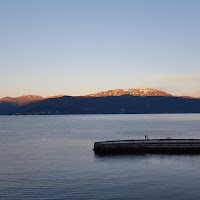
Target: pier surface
{"type": "Point", "coordinates": [185, 146]}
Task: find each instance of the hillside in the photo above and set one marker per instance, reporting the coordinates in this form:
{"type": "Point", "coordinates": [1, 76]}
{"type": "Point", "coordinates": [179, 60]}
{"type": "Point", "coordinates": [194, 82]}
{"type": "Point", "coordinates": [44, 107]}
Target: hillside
{"type": "Point", "coordinates": [25, 99]}
{"type": "Point", "coordinates": [21, 100]}
{"type": "Point", "coordinates": [126, 104]}
{"type": "Point", "coordinates": [130, 101]}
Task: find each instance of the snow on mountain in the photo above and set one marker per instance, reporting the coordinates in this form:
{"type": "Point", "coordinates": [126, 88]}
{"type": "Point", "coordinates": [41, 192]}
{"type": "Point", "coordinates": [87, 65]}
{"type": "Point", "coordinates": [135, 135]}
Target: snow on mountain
{"type": "Point", "coordinates": [133, 92]}
{"type": "Point", "coordinates": [21, 100]}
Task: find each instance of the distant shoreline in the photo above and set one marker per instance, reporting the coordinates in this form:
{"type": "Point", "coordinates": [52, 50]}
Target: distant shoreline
{"type": "Point", "coordinates": [125, 104]}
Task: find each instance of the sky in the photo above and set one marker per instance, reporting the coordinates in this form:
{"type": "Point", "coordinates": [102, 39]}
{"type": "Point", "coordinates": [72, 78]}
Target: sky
{"type": "Point", "coordinates": [78, 47]}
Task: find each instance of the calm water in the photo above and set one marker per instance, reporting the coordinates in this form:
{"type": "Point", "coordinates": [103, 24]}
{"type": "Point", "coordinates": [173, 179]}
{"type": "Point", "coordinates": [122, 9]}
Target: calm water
{"type": "Point", "coordinates": [51, 157]}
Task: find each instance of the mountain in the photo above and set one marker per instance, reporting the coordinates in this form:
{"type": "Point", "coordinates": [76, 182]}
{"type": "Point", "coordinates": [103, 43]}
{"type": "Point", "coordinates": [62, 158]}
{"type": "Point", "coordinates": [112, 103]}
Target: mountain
{"type": "Point", "coordinates": [26, 99]}
{"type": "Point", "coordinates": [131, 101]}
{"type": "Point", "coordinates": [133, 92]}
{"type": "Point", "coordinates": [125, 104]}
{"type": "Point", "coordinates": [21, 100]}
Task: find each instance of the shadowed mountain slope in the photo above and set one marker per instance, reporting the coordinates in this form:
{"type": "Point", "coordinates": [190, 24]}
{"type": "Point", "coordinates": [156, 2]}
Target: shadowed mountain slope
{"type": "Point", "coordinates": [137, 100]}
{"type": "Point", "coordinates": [126, 104]}
{"type": "Point", "coordinates": [21, 100]}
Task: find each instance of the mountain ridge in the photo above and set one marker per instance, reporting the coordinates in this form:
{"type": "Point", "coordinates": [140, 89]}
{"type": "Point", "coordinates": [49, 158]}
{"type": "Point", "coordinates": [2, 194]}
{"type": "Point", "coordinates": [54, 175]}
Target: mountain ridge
{"type": "Point", "coordinates": [26, 99]}
{"type": "Point", "coordinates": [125, 104]}
{"type": "Point", "coordinates": [133, 92]}
{"type": "Point", "coordinates": [119, 101]}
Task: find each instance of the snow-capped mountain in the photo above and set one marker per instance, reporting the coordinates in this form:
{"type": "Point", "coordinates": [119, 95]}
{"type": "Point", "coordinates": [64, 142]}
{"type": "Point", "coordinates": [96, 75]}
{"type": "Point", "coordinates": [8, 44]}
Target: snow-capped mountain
{"type": "Point", "coordinates": [130, 101]}
{"type": "Point", "coordinates": [133, 92]}
{"type": "Point", "coordinates": [26, 99]}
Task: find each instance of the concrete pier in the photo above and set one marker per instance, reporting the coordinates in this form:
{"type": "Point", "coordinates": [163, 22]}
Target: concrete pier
{"type": "Point", "coordinates": [167, 146]}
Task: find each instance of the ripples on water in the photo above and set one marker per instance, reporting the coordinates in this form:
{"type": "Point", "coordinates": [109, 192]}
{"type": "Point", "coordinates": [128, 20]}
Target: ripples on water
{"type": "Point", "coordinates": [51, 157]}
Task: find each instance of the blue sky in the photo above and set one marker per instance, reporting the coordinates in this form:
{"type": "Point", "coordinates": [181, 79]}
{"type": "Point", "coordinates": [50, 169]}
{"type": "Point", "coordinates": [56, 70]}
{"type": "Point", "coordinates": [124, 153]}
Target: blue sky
{"type": "Point", "coordinates": [77, 47]}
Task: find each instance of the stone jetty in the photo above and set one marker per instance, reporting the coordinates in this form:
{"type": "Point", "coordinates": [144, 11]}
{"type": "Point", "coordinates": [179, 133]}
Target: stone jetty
{"type": "Point", "coordinates": [168, 146]}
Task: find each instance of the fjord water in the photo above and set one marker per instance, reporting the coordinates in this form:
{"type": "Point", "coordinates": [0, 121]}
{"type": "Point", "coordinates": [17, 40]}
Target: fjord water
{"type": "Point", "coordinates": [51, 157]}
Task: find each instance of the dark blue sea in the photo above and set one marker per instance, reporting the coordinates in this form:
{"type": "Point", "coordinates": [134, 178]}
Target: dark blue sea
{"type": "Point", "coordinates": [51, 158]}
